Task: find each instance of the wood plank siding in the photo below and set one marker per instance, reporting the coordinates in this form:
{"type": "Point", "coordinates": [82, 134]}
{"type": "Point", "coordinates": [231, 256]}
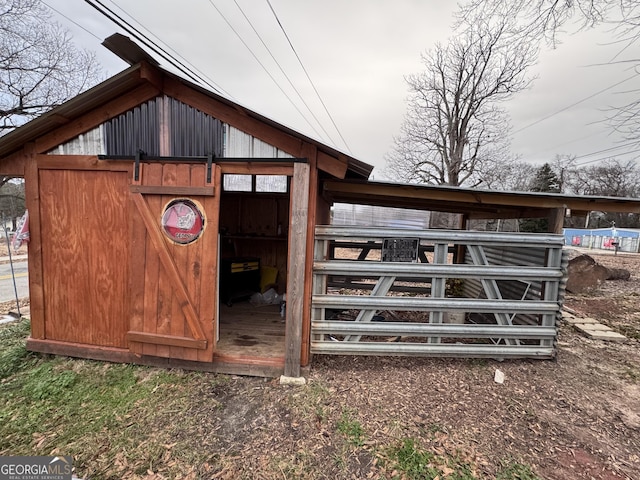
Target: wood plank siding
{"type": "Point", "coordinates": [84, 227]}
{"type": "Point", "coordinates": [179, 285]}
{"type": "Point", "coordinates": [106, 282]}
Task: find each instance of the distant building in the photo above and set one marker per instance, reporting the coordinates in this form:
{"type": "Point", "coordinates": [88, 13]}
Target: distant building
{"type": "Point", "coordinates": [627, 239]}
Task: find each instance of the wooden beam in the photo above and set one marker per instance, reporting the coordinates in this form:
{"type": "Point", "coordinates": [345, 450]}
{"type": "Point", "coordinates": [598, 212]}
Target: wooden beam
{"type": "Point", "coordinates": [94, 352]}
{"type": "Point", "coordinates": [173, 190]}
{"type": "Point", "coordinates": [81, 162]}
{"type": "Point", "coordinates": [332, 165]}
{"type": "Point", "coordinates": [171, 340]}
{"type": "Point", "coordinates": [14, 165]}
{"type": "Point", "coordinates": [152, 75]}
{"type": "Point", "coordinates": [96, 117]}
{"type": "Point", "coordinates": [297, 267]}
{"type": "Point", "coordinates": [165, 126]}
{"type": "Point", "coordinates": [257, 168]}
{"type": "Point", "coordinates": [269, 368]}
{"type": "Point", "coordinates": [556, 220]}
{"type": "Point", "coordinates": [475, 199]}
{"type": "Point", "coordinates": [314, 197]}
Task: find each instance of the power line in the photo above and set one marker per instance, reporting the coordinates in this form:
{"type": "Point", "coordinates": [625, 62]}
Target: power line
{"type": "Point", "coordinates": [610, 149]}
{"type": "Point", "coordinates": [203, 75]}
{"type": "Point", "coordinates": [283, 72]}
{"type": "Point", "coordinates": [573, 104]}
{"type": "Point", "coordinates": [264, 68]}
{"type": "Point", "coordinates": [607, 158]}
{"type": "Point", "coordinates": [308, 77]}
{"type": "Point", "coordinates": [72, 21]}
{"type": "Point", "coordinates": [607, 150]}
{"type": "Point", "coordinates": [122, 23]}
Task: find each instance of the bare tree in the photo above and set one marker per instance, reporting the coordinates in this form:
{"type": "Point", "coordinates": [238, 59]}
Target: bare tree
{"type": "Point", "coordinates": [40, 67]}
{"type": "Point", "coordinates": [454, 125]}
{"type": "Point", "coordinates": [544, 20]}
{"type": "Point", "coordinates": [507, 174]}
{"type": "Point", "coordinates": [611, 178]}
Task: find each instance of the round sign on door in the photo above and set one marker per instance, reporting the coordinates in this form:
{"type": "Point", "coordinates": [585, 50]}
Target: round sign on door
{"type": "Point", "coordinates": [182, 221]}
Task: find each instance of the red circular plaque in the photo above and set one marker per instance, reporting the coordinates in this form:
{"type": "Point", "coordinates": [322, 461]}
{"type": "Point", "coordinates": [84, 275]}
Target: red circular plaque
{"type": "Point", "coordinates": [182, 221]}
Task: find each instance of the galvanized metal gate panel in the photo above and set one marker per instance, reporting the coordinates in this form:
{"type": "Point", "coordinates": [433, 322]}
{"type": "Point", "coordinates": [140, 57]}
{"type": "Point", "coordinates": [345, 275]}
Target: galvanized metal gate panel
{"type": "Point", "coordinates": [490, 332]}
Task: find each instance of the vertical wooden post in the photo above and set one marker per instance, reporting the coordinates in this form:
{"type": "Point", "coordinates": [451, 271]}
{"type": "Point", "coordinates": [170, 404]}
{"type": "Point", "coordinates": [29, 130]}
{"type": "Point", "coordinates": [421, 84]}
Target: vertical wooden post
{"type": "Point", "coordinates": [297, 264]}
{"type": "Point", "coordinates": [556, 220]}
{"type": "Point", "coordinates": [36, 275]}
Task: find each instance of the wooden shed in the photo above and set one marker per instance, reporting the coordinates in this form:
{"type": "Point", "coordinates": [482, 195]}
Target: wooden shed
{"type": "Point", "coordinates": [154, 205]}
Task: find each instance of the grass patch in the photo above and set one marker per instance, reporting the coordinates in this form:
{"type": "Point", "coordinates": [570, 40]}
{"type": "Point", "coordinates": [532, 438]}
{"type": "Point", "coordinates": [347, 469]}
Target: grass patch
{"type": "Point", "coordinates": [516, 471]}
{"type": "Point", "coordinates": [408, 459]}
{"type": "Point", "coordinates": [101, 414]}
{"type": "Point", "coordinates": [631, 374]}
{"type": "Point", "coordinates": [414, 462]}
{"type": "Point", "coordinates": [351, 429]}
{"type": "Point", "coordinates": [311, 402]}
{"type": "Point", "coordinates": [13, 352]}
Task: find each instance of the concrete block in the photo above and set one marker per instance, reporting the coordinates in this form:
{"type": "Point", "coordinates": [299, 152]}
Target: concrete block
{"type": "Point", "coordinates": [574, 320]}
{"type": "Point", "coordinates": [607, 335]}
{"type": "Point", "coordinates": [592, 327]}
{"type": "Point", "coordinates": [299, 381]}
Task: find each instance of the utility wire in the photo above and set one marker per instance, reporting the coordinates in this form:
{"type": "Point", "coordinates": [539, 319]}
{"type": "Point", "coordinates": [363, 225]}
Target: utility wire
{"type": "Point", "coordinates": [607, 150]}
{"type": "Point", "coordinates": [175, 53]}
{"type": "Point", "coordinates": [573, 104]}
{"type": "Point", "coordinates": [607, 158]}
{"type": "Point", "coordinates": [308, 77]}
{"type": "Point", "coordinates": [264, 68]}
{"type": "Point", "coordinates": [119, 21]}
{"type": "Point", "coordinates": [72, 21]}
{"type": "Point", "coordinates": [283, 72]}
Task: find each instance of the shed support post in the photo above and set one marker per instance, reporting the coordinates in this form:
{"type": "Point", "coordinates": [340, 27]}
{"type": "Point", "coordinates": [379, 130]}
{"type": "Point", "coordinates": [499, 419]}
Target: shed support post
{"type": "Point", "coordinates": [296, 266]}
{"type": "Point", "coordinates": [556, 220]}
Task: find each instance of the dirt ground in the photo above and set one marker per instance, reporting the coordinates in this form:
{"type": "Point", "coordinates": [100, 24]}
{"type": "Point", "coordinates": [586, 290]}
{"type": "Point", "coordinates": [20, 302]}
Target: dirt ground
{"type": "Point", "coordinates": [577, 417]}
{"type": "Point", "coordinates": [574, 418]}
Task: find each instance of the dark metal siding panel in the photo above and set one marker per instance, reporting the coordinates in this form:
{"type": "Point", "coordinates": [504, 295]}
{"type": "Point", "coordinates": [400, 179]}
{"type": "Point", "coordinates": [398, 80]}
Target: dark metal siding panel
{"type": "Point", "coordinates": [513, 256]}
{"type": "Point", "coordinates": [193, 132]}
{"type": "Point", "coordinates": [137, 129]}
{"type": "Point", "coordinates": [514, 290]}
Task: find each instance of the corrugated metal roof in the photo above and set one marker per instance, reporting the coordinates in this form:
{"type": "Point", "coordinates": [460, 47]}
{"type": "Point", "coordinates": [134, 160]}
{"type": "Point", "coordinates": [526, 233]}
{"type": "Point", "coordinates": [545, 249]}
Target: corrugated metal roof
{"type": "Point", "coordinates": [128, 80]}
{"type": "Point", "coordinates": [93, 98]}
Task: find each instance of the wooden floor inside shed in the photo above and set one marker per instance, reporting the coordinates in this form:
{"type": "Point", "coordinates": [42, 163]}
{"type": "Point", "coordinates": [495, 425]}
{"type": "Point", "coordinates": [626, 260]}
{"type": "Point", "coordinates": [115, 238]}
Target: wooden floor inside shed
{"type": "Point", "coordinates": [251, 331]}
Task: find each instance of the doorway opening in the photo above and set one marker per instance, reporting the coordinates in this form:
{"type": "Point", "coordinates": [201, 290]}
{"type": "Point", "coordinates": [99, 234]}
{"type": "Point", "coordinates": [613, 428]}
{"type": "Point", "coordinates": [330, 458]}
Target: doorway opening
{"type": "Point", "coordinates": [254, 228]}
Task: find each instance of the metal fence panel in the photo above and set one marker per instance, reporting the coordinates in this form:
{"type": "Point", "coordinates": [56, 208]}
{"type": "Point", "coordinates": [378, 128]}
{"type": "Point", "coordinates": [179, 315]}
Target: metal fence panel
{"type": "Point", "coordinates": [406, 308]}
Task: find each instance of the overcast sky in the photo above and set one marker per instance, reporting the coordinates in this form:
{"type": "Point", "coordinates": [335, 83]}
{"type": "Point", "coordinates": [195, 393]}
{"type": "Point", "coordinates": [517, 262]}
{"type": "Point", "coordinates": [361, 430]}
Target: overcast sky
{"type": "Point", "coordinates": [357, 53]}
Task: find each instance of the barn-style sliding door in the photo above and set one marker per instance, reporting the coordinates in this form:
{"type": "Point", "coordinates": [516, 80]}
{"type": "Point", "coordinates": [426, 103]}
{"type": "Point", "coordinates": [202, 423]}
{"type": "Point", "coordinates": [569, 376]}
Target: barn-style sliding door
{"type": "Point", "coordinates": [173, 260]}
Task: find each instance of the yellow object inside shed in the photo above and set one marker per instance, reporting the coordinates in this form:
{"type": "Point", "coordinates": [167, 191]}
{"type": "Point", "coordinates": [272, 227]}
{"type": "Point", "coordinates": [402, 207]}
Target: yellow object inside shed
{"type": "Point", "coordinates": [268, 277]}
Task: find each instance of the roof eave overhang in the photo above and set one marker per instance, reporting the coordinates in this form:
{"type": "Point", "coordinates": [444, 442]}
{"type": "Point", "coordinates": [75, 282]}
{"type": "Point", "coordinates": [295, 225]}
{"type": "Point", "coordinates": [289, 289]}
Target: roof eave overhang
{"type": "Point", "coordinates": [471, 202]}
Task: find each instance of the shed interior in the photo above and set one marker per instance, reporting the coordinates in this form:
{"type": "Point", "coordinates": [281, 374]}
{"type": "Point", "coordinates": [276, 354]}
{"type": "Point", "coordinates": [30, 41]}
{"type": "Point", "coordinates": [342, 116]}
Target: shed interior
{"type": "Point", "coordinates": [254, 226]}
